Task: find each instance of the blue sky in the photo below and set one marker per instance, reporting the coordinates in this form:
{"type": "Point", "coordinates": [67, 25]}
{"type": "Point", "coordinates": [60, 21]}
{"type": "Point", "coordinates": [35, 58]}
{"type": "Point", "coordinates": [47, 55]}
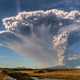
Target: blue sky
{"type": "Point", "coordinates": [9, 58]}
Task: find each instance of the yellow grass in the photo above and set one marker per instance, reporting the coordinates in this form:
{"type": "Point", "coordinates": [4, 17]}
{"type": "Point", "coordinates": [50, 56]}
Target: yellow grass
{"type": "Point", "coordinates": [67, 74]}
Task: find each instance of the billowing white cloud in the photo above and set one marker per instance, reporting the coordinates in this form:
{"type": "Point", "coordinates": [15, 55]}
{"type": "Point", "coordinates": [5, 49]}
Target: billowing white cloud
{"type": "Point", "coordinates": [42, 35]}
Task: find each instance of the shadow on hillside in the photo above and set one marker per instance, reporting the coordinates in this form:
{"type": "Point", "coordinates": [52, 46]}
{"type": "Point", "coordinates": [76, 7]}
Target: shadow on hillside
{"type": "Point", "coordinates": [20, 76]}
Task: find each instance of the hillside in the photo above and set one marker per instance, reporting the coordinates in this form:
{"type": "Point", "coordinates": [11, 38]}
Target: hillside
{"type": "Point", "coordinates": [70, 74]}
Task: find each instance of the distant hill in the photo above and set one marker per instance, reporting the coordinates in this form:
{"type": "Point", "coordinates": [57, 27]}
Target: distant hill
{"type": "Point", "coordinates": [60, 67]}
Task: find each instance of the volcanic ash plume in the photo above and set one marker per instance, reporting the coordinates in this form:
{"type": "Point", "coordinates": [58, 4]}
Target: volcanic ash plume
{"type": "Point", "coordinates": [40, 35]}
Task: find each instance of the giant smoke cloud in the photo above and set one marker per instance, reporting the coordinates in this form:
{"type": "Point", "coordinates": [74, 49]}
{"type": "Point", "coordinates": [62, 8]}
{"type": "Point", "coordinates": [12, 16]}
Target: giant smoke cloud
{"type": "Point", "coordinates": [42, 35]}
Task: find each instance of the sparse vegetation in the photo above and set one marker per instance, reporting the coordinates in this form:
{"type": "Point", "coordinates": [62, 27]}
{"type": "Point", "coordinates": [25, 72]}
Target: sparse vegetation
{"type": "Point", "coordinates": [27, 74]}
